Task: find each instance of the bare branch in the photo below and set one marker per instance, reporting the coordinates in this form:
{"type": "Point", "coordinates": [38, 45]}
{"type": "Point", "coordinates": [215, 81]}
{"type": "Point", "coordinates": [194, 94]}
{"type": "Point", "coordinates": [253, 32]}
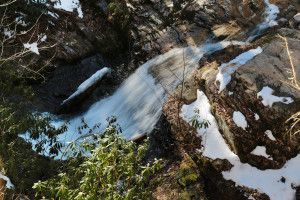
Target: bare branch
{"type": "Point", "coordinates": [8, 3]}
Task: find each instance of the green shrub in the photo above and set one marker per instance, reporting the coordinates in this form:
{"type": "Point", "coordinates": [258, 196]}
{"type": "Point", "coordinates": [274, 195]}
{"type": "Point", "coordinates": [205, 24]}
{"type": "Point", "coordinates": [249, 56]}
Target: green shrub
{"type": "Point", "coordinates": [113, 170]}
{"type": "Point", "coordinates": [19, 161]}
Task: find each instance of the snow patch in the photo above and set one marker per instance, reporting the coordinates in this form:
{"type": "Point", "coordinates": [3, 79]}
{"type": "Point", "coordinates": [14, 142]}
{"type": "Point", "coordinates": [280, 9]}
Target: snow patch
{"type": "Point", "coordinates": [256, 116]}
{"type": "Point", "coordinates": [240, 120]}
{"type": "Point", "coordinates": [44, 38]}
{"type": "Point", "coordinates": [129, 5]}
{"type": "Point", "coordinates": [32, 47]}
{"type": "Point", "coordinates": [214, 144]}
{"type": "Point", "coordinates": [20, 21]}
{"type": "Point", "coordinates": [227, 69]}
{"type": "Point", "coordinates": [70, 6]}
{"type": "Point", "coordinates": [8, 33]}
{"type": "Point", "coordinates": [268, 98]}
{"type": "Point", "coordinates": [270, 135]}
{"type": "Point", "coordinates": [89, 82]}
{"type": "Point", "coordinates": [201, 3]}
{"type": "Point", "coordinates": [243, 174]}
{"type": "Point", "coordinates": [261, 151]}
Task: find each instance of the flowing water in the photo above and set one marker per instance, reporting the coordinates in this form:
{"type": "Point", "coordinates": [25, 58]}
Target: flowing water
{"type": "Point", "coordinates": [137, 104]}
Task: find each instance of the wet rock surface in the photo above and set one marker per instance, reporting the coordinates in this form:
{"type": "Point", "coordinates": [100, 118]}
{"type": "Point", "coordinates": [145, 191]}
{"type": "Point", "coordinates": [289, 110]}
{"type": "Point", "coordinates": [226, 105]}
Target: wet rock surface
{"type": "Point", "coordinates": [64, 81]}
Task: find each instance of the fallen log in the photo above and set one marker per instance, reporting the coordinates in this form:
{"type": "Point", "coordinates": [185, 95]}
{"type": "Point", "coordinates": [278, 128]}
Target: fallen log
{"type": "Point", "coordinates": [83, 90]}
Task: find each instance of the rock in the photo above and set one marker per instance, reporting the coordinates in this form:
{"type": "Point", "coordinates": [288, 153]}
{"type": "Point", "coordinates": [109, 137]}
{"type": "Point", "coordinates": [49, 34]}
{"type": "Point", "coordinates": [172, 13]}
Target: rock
{"type": "Point", "coordinates": [282, 21]}
{"type": "Point", "coordinates": [65, 79]}
{"type": "Point", "coordinates": [297, 17]}
{"type": "Point", "coordinates": [270, 68]}
{"type": "Point", "coordinates": [295, 21]}
{"type": "Point", "coordinates": [298, 193]}
{"type": "Point", "coordinates": [226, 30]}
{"type": "Point", "coordinates": [221, 165]}
{"type": "Point", "coordinates": [84, 92]}
{"type": "Point", "coordinates": [72, 46]}
{"type": "Point", "coordinates": [187, 173]}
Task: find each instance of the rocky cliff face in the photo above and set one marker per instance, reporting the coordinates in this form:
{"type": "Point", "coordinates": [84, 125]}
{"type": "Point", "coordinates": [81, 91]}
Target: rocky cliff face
{"type": "Point", "coordinates": [264, 94]}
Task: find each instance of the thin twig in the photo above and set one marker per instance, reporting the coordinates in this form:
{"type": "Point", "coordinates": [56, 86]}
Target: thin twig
{"type": "Point", "coordinates": [294, 78]}
{"type": "Point", "coordinates": [181, 91]}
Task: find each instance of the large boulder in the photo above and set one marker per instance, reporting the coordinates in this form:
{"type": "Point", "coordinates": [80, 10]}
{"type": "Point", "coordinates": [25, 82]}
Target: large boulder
{"type": "Point", "coordinates": [159, 25]}
{"type": "Point", "coordinates": [266, 125]}
{"type": "Point", "coordinates": [253, 86]}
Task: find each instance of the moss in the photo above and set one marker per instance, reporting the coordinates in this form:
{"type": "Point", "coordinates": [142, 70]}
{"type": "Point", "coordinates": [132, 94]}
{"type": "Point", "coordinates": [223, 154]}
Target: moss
{"type": "Point", "coordinates": [187, 173]}
{"type": "Point", "coordinates": [184, 196]}
{"type": "Point", "coordinates": [119, 15]}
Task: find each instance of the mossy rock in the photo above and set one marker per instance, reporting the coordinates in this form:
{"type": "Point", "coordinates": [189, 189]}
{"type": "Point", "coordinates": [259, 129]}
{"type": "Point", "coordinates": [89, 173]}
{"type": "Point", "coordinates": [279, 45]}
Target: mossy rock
{"type": "Point", "coordinates": [188, 173]}
{"type": "Point", "coordinates": [184, 196]}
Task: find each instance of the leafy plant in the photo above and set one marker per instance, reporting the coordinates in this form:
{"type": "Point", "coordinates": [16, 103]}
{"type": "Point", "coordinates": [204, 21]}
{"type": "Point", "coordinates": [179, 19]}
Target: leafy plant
{"type": "Point", "coordinates": [196, 123]}
{"type": "Point", "coordinates": [114, 170]}
{"type": "Point", "coordinates": [21, 164]}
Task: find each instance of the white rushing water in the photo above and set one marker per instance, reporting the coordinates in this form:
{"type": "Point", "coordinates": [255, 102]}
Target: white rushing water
{"type": "Point", "coordinates": [270, 16]}
{"type": "Point", "coordinates": [137, 104]}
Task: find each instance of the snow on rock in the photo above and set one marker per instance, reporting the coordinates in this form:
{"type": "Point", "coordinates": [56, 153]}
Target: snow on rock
{"type": "Point", "coordinates": [243, 174]}
{"type": "Point", "coordinates": [256, 116]}
{"type": "Point", "coordinates": [8, 182]}
{"type": "Point", "coordinates": [268, 98]}
{"type": "Point", "coordinates": [270, 135]}
{"type": "Point", "coordinates": [44, 38]}
{"type": "Point", "coordinates": [214, 144]}
{"type": "Point", "coordinates": [8, 33]}
{"type": "Point", "coordinates": [227, 69]}
{"type": "Point", "coordinates": [32, 47]}
{"type": "Point", "coordinates": [54, 15]}
{"type": "Point", "coordinates": [240, 120]}
{"type": "Point", "coordinates": [70, 6]}
{"type": "Point", "coordinates": [297, 17]}
{"type": "Point", "coordinates": [89, 82]}
{"type": "Point", "coordinates": [202, 2]}
{"type": "Point", "coordinates": [20, 21]}
{"type": "Point", "coordinates": [261, 151]}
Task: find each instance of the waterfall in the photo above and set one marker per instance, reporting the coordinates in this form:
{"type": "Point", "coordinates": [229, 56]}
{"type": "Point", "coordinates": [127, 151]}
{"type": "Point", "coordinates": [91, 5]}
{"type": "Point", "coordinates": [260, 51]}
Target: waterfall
{"type": "Point", "coordinates": [137, 104]}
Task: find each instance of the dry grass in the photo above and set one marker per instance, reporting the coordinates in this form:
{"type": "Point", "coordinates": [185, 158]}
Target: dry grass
{"type": "Point", "coordinates": [294, 120]}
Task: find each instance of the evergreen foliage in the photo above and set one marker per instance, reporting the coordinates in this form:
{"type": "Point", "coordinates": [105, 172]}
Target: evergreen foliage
{"type": "Point", "coordinates": [114, 170]}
